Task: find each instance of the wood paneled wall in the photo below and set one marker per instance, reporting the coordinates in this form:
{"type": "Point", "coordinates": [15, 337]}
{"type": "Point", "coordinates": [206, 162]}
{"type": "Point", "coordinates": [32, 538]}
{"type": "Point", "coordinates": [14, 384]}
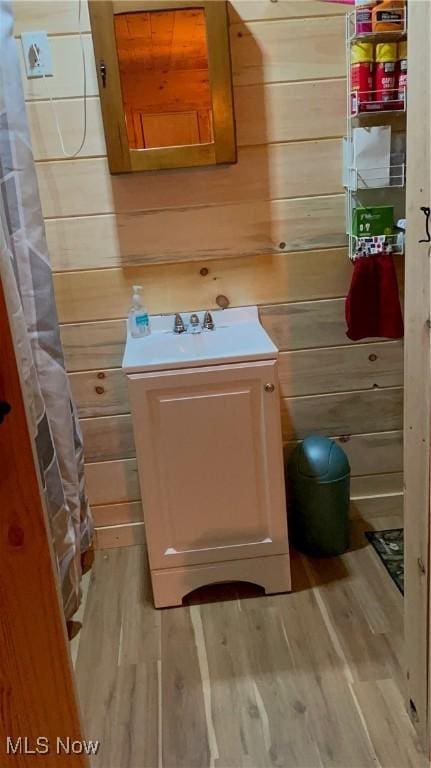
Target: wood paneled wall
{"type": "Point", "coordinates": [269, 230]}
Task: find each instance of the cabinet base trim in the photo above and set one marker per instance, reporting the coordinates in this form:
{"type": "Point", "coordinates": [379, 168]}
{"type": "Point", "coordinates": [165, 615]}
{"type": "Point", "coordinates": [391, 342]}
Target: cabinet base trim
{"type": "Point", "coordinates": [171, 585]}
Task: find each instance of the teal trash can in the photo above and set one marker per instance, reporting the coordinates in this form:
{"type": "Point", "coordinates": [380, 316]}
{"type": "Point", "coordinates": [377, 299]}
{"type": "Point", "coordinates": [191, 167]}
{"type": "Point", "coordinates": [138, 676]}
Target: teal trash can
{"type": "Point", "coordinates": [319, 494]}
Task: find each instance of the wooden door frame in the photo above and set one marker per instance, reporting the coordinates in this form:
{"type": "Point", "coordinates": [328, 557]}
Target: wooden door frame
{"type": "Point", "coordinates": [417, 373]}
{"type": "Point", "coordinates": [37, 688]}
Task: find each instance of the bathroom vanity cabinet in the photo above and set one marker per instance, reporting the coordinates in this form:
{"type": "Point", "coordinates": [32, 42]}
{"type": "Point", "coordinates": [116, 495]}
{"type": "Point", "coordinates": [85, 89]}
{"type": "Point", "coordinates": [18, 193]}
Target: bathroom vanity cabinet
{"type": "Point", "coordinates": [209, 449]}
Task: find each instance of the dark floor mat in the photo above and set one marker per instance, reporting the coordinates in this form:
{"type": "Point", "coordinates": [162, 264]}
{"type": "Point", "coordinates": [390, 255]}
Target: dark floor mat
{"type": "Point", "coordinates": [389, 546]}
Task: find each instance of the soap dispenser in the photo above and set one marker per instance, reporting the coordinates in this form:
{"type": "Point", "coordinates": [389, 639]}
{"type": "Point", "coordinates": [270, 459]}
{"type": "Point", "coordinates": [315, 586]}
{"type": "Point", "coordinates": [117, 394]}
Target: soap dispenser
{"type": "Point", "coordinates": [139, 321]}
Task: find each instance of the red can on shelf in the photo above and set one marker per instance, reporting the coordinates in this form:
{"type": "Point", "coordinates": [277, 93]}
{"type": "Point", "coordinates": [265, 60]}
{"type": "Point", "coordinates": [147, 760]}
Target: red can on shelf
{"type": "Point", "coordinates": [402, 73]}
{"type": "Point", "coordinates": [385, 78]}
{"type": "Point", "coordinates": [362, 68]}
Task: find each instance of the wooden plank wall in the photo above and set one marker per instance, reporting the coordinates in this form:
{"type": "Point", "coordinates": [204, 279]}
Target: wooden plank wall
{"type": "Point", "coordinates": [268, 230]}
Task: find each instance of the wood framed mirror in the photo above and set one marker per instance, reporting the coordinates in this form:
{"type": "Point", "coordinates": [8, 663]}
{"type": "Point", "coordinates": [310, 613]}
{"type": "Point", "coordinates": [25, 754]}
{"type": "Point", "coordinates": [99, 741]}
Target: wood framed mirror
{"type": "Point", "coordinates": [165, 83]}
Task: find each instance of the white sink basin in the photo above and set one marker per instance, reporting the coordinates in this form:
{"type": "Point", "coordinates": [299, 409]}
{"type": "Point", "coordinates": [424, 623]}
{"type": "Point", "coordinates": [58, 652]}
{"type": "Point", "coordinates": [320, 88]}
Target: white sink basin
{"type": "Point", "coordinates": [237, 336]}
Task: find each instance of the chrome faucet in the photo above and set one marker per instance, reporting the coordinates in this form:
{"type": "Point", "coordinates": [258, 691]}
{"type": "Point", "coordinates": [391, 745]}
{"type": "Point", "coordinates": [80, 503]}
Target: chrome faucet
{"type": "Point", "coordinates": [194, 324]}
{"type": "Point", "coordinates": [179, 326]}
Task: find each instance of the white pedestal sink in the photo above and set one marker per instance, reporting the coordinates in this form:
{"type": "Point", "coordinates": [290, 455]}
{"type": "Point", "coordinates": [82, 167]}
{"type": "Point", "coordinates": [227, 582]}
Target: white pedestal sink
{"type": "Point", "coordinates": [238, 335]}
{"type": "Point", "coordinates": [206, 420]}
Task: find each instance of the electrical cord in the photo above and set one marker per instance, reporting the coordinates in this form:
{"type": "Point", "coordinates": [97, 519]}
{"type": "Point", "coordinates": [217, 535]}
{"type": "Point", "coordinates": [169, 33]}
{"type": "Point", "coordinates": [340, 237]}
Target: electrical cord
{"type": "Point", "coordinates": [35, 51]}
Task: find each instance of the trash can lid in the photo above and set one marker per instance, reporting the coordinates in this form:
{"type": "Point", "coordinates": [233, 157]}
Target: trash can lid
{"type": "Point", "coordinates": [321, 458]}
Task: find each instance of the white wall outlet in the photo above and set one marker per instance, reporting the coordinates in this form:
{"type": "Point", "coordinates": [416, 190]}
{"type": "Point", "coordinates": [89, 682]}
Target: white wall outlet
{"type": "Point", "coordinates": [37, 54]}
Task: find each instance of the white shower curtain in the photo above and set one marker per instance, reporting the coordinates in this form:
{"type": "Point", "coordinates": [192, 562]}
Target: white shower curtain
{"type": "Point", "coordinates": [25, 272]}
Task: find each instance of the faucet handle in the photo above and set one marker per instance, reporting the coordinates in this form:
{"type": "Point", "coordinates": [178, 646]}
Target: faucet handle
{"type": "Point", "coordinates": [179, 326]}
{"type": "Point", "coordinates": [208, 322]}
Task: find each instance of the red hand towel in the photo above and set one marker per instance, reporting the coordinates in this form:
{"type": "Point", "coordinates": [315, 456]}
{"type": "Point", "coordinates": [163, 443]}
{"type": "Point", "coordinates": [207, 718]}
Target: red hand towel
{"type": "Point", "coordinates": [373, 303]}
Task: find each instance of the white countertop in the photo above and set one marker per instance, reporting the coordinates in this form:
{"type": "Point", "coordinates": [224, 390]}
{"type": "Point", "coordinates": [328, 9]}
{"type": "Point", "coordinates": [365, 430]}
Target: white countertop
{"type": "Point", "coordinates": [238, 336]}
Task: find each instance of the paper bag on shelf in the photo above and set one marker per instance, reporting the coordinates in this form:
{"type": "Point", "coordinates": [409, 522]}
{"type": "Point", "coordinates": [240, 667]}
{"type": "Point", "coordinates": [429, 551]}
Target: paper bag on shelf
{"type": "Point", "coordinates": [372, 156]}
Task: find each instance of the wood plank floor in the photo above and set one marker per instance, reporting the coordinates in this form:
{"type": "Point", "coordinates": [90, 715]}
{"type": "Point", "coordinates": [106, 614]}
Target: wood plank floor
{"type": "Point", "coordinates": [312, 679]}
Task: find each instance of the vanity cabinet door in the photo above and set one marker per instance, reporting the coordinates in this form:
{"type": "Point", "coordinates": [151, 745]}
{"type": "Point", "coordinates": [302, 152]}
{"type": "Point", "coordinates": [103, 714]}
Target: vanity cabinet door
{"type": "Point", "coordinates": [210, 463]}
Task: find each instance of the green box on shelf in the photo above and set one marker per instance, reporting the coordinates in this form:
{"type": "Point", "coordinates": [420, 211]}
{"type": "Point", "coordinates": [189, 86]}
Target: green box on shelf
{"type": "Point", "coordinates": [373, 220]}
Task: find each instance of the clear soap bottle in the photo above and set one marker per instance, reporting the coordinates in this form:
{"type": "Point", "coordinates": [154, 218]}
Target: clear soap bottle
{"type": "Point", "coordinates": [139, 320]}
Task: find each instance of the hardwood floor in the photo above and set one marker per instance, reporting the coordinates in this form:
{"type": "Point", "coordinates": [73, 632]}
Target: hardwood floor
{"type": "Point", "coordinates": [312, 679]}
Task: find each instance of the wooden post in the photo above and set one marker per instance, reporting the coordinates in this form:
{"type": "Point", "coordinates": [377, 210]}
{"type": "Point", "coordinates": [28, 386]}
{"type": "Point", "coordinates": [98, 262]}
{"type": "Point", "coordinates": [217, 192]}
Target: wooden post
{"type": "Point", "coordinates": [417, 407]}
{"type": "Point", "coordinates": [37, 690]}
